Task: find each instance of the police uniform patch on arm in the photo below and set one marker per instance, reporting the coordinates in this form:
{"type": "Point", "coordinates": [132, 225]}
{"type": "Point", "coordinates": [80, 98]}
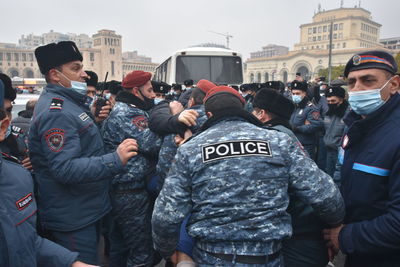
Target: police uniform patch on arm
{"type": "Point", "coordinates": [55, 139]}
{"type": "Point", "coordinates": [56, 103]}
{"type": "Point", "coordinates": [24, 202]}
{"type": "Point", "coordinates": [140, 122]}
{"type": "Point", "coordinates": [231, 149]}
{"type": "Point", "coordinates": [315, 115]}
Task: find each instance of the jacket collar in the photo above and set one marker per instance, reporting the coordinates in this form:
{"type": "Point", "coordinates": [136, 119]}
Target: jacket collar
{"type": "Point", "coordinates": [231, 114]}
{"type": "Point", "coordinates": [68, 93]}
{"type": "Point", "coordinates": [278, 121]}
{"type": "Point", "coordinates": [129, 98]}
{"type": "Point", "coordinates": [303, 102]}
{"type": "Point", "coordinates": [358, 126]}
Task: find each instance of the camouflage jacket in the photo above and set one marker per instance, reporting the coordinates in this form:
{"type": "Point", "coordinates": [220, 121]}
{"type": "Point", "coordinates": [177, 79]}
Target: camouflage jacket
{"type": "Point", "coordinates": [234, 177]}
{"type": "Point", "coordinates": [126, 120]}
{"type": "Point", "coordinates": [168, 149]}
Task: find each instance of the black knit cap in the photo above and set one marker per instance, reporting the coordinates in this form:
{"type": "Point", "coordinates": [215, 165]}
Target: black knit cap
{"type": "Point", "coordinates": [272, 101]}
{"type": "Point", "coordinates": [55, 54]}
{"type": "Point", "coordinates": [93, 78]}
{"type": "Point", "coordinates": [9, 91]}
{"type": "Point", "coordinates": [296, 85]}
{"type": "Point", "coordinates": [371, 60]}
{"type": "Point", "coordinates": [335, 91]}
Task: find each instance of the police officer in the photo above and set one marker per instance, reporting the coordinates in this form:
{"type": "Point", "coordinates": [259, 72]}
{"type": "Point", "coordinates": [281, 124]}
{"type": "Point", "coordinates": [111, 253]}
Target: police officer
{"type": "Point", "coordinates": [91, 82]}
{"type": "Point", "coordinates": [161, 89]}
{"type": "Point", "coordinates": [130, 238]}
{"type": "Point", "coordinates": [227, 176]}
{"type": "Point", "coordinates": [370, 174]}
{"type": "Point", "coordinates": [334, 125]}
{"type": "Point", "coordinates": [67, 153]}
{"type": "Point", "coordinates": [306, 121]}
{"type": "Point", "coordinates": [16, 138]}
{"type": "Point", "coordinates": [20, 245]}
{"type": "Point", "coordinates": [306, 247]}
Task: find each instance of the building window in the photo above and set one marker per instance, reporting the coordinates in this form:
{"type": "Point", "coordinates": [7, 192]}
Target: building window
{"type": "Point", "coordinates": [319, 29]}
{"type": "Point", "coordinates": [314, 30]}
{"type": "Point", "coordinates": [319, 38]}
{"type": "Point", "coordinates": [8, 56]}
{"type": "Point", "coordinates": [344, 45]}
{"type": "Point", "coordinates": [325, 28]}
{"type": "Point", "coordinates": [335, 27]}
{"type": "Point", "coordinates": [333, 46]}
{"type": "Point", "coordinates": [324, 37]}
{"type": "Point", "coordinates": [112, 68]}
{"type": "Point", "coordinates": [314, 38]}
{"type": "Point", "coordinates": [334, 36]}
{"type": "Point", "coordinates": [31, 57]}
{"type": "Point", "coordinates": [341, 26]}
{"type": "Point", "coordinates": [91, 56]}
{"type": "Point", "coordinates": [23, 57]}
{"type": "Point", "coordinates": [1, 56]}
{"type": "Point", "coordinates": [340, 35]}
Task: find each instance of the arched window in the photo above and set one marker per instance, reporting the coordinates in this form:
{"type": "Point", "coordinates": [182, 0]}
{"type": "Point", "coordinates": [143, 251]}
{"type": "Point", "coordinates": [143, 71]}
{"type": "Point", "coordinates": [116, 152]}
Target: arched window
{"type": "Point", "coordinates": [258, 77]}
{"type": "Point", "coordinates": [266, 77]}
{"type": "Point", "coordinates": [252, 77]}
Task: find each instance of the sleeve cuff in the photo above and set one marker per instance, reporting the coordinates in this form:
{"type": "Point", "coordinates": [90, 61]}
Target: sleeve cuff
{"type": "Point", "coordinates": [346, 239]}
{"type": "Point", "coordinates": [113, 162]}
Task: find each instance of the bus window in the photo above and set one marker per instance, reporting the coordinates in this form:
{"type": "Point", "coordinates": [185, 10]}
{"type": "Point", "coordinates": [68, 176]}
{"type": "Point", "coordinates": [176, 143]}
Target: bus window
{"type": "Point", "coordinates": [218, 69]}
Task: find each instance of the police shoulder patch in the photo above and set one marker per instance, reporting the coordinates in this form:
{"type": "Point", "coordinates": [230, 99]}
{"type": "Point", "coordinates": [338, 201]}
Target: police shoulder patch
{"type": "Point", "coordinates": [140, 122]}
{"type": "Point", "coordinates": [83, 116]}
{"type": "Point", "coordinates": [56, 103]}
{"type": "Point", "coordinates": [55, 139]}
{"type": "Point", "coordinates": [315, 115]}
{"type": "Point", "coordinates": [238, 148]}
{"type": "Point", "coordinates": [24, 202]}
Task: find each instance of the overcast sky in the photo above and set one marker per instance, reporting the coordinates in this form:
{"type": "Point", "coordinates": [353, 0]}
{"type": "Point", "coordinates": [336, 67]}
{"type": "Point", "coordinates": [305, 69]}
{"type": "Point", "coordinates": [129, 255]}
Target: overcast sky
{"type": "Point", "coordinates": [157, 28]}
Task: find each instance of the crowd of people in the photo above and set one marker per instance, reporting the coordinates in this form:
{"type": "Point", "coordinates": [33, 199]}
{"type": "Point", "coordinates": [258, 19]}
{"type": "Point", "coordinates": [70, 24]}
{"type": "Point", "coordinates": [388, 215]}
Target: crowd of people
{"type": "Point", "coordinates": [265, 174]}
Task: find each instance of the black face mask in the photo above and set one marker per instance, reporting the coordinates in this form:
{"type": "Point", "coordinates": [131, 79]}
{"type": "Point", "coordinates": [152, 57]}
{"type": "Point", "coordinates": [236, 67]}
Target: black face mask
{"type": "Point", "coordinates": [148, 102]}
{"type": "Point", "coordinates": [333, 107]}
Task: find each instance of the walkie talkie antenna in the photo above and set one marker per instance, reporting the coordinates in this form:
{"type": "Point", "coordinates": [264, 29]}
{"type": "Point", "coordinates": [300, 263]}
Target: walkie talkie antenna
{"type": "Point", "coordinates": [104, 84]}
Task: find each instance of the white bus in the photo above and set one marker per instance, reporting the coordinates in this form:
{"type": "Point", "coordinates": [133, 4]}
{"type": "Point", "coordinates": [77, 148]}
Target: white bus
{"type": "Point", "coordinates": [218, 65]}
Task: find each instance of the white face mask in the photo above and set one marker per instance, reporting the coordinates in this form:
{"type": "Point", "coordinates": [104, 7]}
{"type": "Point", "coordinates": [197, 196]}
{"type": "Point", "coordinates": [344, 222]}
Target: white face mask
{"type": "Point", "coordinates": [78, 87]}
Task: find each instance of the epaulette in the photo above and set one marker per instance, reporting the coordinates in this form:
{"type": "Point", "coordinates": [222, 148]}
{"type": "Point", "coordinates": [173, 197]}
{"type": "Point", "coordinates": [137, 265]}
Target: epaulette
{"type": "Point", "coordinates": [56, 103]}
{"type": "Point", "coordinates": [16, 130]}
{"type": "Point", "coordinates": [10, 158]}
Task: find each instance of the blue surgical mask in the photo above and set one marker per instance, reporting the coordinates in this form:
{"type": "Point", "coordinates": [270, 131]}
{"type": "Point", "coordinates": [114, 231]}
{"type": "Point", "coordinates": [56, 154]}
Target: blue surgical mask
{"type": "Point", "coordinates": [296, 99]}
{"type": "Point", "coordinates": [367, 101]}
{"type": "Point", "coordinates": [107, 96]}
{"type": "Point", "coordinates": [78, 87]}
{"type": "Point", "coordinates": [157, 100]}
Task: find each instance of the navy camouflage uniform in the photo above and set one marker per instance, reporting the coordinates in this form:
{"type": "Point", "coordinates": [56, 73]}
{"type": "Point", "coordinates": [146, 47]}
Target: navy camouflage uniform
{"type": "Point", "coordinates": [306, 123]}
{"type": "Point", "coordinates": [168, 148]}
{"type": "Point", "coordinates": [238, 200]}
{"type": "Point", "coordinates": [132, 204]}
{"type": "Point", "coordinates": [71, 169]}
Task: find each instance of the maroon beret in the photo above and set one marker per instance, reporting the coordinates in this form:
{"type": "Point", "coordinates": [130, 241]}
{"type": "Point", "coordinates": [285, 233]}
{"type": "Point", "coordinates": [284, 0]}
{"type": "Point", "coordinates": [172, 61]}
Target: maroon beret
{"type": "Point", "coordinates": [136, 78]}
{"type": "Point", "coordinates": [219, 90]}
{"type": "Point", "coordinates": [205, 85]}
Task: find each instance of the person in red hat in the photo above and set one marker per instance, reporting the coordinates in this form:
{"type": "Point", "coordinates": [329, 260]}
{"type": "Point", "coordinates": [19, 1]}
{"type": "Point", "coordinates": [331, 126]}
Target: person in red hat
{"type": "Point", "coordinates": [130, 237]}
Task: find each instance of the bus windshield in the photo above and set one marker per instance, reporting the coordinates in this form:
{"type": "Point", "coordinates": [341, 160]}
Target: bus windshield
{"type": "Point", "coordinates": [218, 69]}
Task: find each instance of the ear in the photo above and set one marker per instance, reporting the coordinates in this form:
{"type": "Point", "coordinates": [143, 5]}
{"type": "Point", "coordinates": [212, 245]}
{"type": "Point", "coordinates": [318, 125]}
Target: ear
{"type": "Point", "coordinates": [3, 128]}
{"type": "Point", "coordinates": [395, 84]}
{"type": "Point", "coordinates": [135, 92]}
{"type": "Point", "coordinates": [209, 114]}
{"type": "Point", "coordinates": [54, 75]}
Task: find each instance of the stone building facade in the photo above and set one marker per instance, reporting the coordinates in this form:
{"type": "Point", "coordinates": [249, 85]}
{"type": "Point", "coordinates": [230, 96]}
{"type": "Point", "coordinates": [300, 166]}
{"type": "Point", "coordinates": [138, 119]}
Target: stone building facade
{"type": "Point", "coordinates": [104, 55]}
{"type": "Point", "coordinates": [353, 31]}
